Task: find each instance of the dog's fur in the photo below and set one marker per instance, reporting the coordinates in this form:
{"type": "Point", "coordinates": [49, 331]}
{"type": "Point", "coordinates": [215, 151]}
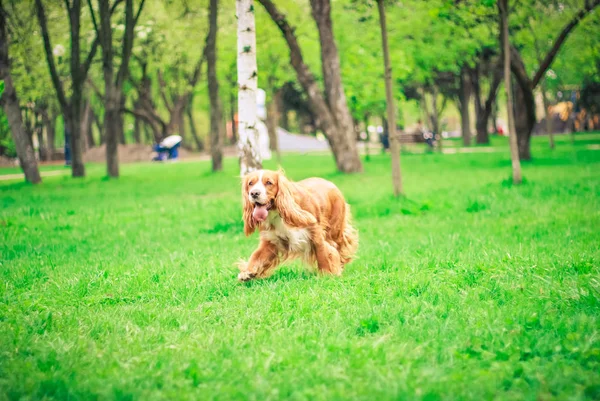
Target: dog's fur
{"type": "Point", "coordinates": [308, 219]}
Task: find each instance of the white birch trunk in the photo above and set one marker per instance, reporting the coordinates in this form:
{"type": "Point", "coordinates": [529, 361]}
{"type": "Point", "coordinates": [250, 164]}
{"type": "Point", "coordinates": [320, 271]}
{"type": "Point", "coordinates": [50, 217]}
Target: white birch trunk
{"type": "Point", "coordinates": [250, 158]}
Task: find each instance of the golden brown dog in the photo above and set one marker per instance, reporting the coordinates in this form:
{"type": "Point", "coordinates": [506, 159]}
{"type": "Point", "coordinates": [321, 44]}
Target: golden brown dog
{"type": "Point", "coordinates": [308, 219]}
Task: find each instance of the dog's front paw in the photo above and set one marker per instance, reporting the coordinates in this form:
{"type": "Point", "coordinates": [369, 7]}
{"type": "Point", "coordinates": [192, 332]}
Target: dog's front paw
{"type": "Point", "coordinates": [246, 276]}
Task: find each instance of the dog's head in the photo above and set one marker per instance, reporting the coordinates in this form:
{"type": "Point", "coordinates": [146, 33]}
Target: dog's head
{"type": "Point", "coordinates": [264, 191]}
{"type": "Point", "coordinates": [259, 192]}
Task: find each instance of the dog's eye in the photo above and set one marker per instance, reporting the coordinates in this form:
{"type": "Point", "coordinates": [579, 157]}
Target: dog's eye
{"type": "Point", "coordinates": [251, 183]}
{"type": "Point", "coordinates": [269, 182]}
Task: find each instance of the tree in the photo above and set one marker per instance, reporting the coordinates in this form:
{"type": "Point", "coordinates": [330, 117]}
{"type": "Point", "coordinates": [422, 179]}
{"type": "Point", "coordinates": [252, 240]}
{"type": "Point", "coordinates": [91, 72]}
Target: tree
{"type": "Point", "coordinates": [71, 106]}
{"type": "Point", "coordinates": [505, 42]}
{"type": "Point", "coordinates": [10, 104]}
{"type": "Point", "coordinates": [113, 85]}
{"type": "Point", "coordinates": [329, 107]}
{"type": "Point", "coordinates": [464, 100]}
{"type": "Point", "coordinates": [391, 110]}
{"type": "Point", "coordinates": [176, 96]}
{"type": "Point", "coordinates": [250, 158]}
{"type": "Point", "coordinates": [524, 99]}
{"type": "Point", "coordinates": [216, 141]}
{"type": "Point", "coordinates": [484, 107]}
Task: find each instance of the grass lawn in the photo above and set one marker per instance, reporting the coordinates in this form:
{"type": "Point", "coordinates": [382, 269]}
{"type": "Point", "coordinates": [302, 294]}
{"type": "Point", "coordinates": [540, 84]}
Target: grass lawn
{"type": "Point", "coordinates": [469, 288]}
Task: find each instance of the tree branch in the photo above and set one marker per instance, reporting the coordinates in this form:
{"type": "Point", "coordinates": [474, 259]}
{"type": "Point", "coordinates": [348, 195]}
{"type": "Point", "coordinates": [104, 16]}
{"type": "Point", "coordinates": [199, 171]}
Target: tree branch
{"type": "Point", "coordinates": [90, 57]}
{"type": "Point", "coordinates": [93, 17]}
{"type": "Point", "coordinates": [496, 80]}
{"type": "Point", "coordinates": [589, 6]}
{"type": "Point", "coordinates": [305, 77]}
{"type": "Point", "coordinates": [198, 69]}
{"type": "Point", "coordinates": [139, 12]}
{"type": "Point", "coordinates": [41, 15]}
{"type": "Point", "coordinates": [163, 94]}
{"type": "Point", "coordinates": [95, 89]}
{"type": "Point", "coordinates": [518, 68]}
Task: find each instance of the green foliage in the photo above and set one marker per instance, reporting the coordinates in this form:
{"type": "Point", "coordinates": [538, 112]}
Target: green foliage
{"type": "Point", "coordinates": [6, 141]}
{"type": "Point", "coordinates": [426, 39]}
{"type": "Point", "coordinates": [138, 299]}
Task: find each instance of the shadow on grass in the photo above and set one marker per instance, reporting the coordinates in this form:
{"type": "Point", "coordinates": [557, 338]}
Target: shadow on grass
{"type": "Point", "coordinates": [282, 275]}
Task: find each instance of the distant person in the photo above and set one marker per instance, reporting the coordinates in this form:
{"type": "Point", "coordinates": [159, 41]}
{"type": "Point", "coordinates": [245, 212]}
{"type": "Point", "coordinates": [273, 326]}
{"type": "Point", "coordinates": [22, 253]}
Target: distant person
{"type": "Point", "coordinates": [67, 146]}
{"type": "Point", "coordinates": [428, 136]}
{"type": "Point", "coordinates": [168, 148]}
{"type": "Point", "coordinates": [383, 138]}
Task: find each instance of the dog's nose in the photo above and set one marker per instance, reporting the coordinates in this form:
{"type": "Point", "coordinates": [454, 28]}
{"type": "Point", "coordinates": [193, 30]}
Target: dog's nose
{"type": "Point", "coordinates": [255, 194]}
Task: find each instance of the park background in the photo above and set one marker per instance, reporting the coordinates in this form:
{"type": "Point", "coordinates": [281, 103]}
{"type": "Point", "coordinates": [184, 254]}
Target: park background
{"type": "Point", "coordinates": [477, 275]}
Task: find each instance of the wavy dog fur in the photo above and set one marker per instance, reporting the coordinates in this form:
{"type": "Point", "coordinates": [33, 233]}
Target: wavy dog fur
{"type": "Point", "coordinates": [308, 219]}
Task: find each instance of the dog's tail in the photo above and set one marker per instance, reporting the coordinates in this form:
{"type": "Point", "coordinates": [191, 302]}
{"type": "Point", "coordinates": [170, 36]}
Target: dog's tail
{"type": "Point", "coordinates": [349, 243]}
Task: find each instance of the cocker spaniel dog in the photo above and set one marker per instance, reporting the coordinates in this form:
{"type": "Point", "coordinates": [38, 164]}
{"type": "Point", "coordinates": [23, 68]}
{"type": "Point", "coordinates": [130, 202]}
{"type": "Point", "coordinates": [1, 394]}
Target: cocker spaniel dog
{"type": "Point", "coordinates": [308, 219]}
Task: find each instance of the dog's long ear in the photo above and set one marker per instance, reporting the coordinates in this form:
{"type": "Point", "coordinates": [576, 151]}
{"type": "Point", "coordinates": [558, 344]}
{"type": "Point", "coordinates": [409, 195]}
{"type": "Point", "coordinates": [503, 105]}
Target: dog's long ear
{"type": "Point", "coordinates": [291, 213]}
{"type": "Point", "coordinates": [248, 208]}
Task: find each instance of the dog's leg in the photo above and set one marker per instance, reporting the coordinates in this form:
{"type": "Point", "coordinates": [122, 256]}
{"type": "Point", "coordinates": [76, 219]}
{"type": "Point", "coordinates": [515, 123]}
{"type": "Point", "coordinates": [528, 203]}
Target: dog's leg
{"type": "Point", "coordinates": [264, 259]}
{"type": "Point", "coordinates": [328, 258]}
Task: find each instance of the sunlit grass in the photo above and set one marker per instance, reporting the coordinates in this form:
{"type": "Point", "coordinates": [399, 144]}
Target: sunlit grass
{"type": "Point", "coordinates": [468, 288]}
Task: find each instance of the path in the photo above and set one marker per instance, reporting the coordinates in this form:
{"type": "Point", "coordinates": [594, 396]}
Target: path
{"type": "Point", "coordinates": [294, 143]}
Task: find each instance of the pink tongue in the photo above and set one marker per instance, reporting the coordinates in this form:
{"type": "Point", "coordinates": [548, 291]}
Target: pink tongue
{"type": "Point", "coordinates": [260, 213]}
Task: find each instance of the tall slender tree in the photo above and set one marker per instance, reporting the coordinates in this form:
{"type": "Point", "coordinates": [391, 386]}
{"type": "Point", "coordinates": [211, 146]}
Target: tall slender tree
{"type": "Point", "coordinates": [525, 101]}
{"type": "Point", "coordinates": [216, 142]}
{"type": "Point", "coordinates": [250, 158]}
{"type": "Point", "coordinates": [505, 43]}
{"type": "Point", "coordinates": [113, 84]}
{"type": "Point", "coordinates": [464, 96]}
{"type": "Point", "coordinates": [329, 107]}
{"type": "Point", "coordinates": [71, 106]}
{"type": "Point", "coordinates": [10, 104]}
{"type": "Point", "coordinates": [391, 110]}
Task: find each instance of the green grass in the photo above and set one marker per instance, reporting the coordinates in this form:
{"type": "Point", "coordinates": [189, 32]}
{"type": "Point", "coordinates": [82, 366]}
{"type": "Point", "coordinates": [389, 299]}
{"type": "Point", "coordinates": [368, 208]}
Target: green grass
{"type": "Point", "coordinates": [469, 288]}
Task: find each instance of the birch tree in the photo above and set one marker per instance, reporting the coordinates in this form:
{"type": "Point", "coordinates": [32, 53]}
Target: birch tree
{"type": "Point", "coordinates": [250, 159]}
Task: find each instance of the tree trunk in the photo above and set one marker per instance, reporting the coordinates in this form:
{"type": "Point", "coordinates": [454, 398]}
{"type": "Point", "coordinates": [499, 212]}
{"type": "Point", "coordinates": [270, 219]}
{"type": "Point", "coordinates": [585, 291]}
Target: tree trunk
{"type": "Point", "coordinates": [121, 121]}
{"type": "Point", "coordinates": [250, 158]}
{"type": "Point", "coordinates": [524, 119]}
{"type": "Point", "coordinates": [99, 127]}
{"type": "Point", "coordinates": [504, 40]}
{"type": "Point", "coordinates": [368, 138]}
{"type": "Point", "coordinates": [190, 115]}
{"type": "Point", "coordinates": [284, 118]}
{"type": "Point", "coordinates": [137, 130]}
{"type": "Point", "coordinates": [39, 131]}
{"type": "Point", "coordinates": [86, 126]}
{"type": "Point", "coordinates": [348, 159]}
{"type": "Point", "coordinates": [50, 126]}
{"type": "Point", "coordinates": [78, 78]}
{"type": "Point", "coordinates": [481, 119]}
{"type": "Point", "coordinates": [114, 98]}
{"type": "Point", "coordinates": [464, 100]}
{"type": "Point", "coordinates": [234, 127]}
{"type": "Point", "coordinates": [483, 111]}
{"type": "Point", "coordinates": [148, 134]}
{"type": "Point", "coordinates": [111, 95]}
{"type": "Point", "coordinates": [525, 102]}
{"type": "Point", "coordinates": [548, 117]}
{"type": "Point", "coordinates": [216, 151]}
{"type": "Point", "coordinates": [391, 110]}
{"type": "Point", "coordinates": [273, 123]}
{"type": "Point", "coordinates": [330, 110]}
{"type": "Point", "coordinates": [10, 104]}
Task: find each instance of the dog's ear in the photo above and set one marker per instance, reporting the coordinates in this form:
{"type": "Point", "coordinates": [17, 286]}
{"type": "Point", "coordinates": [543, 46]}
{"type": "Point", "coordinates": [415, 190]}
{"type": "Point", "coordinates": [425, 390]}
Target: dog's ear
{"type": "Point", "coordinates": [248, 208]}
{"type": "Point", "coordinates": [290, 211]}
